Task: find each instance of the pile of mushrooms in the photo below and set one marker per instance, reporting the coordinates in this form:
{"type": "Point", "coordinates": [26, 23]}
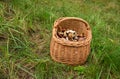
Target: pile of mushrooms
{"type": "Point", "coordinates": [71, 35]}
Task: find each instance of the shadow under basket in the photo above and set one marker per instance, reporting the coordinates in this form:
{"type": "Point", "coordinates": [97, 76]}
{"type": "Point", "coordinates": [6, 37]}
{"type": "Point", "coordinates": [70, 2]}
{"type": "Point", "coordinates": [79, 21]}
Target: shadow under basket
{"type": "Point", "coordinates": [70, 52]}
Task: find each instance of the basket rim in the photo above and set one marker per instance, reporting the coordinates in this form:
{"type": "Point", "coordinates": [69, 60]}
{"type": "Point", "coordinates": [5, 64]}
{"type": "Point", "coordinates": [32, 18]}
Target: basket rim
{"type": "Point", "coordinates": [71, 43]}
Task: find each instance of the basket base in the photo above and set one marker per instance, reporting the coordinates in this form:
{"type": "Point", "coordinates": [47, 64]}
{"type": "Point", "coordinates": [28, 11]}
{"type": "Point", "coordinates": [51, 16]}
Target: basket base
{"type": "Point", "coordinates": [70, 63]}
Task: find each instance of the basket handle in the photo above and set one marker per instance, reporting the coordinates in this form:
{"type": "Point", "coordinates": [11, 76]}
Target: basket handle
{"type": "Point", "coordinates": [87, 25]}
{"type": "Point", "coordinates": [57, 21]}
{"type": "Point", "coordinates": [61, 18]}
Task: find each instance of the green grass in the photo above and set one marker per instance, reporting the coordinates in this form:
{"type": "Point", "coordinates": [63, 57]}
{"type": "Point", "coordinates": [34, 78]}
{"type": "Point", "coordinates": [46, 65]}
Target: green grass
{"type": "Point", "coordinates": [25, 33]}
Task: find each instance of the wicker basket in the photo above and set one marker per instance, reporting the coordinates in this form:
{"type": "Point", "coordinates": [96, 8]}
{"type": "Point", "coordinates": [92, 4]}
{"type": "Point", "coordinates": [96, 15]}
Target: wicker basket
{"type": "Point", "coordinates": [70, 52]}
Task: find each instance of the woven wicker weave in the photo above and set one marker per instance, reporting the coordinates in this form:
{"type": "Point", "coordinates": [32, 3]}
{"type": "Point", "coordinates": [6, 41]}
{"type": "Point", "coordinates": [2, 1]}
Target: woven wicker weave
{"type": "Point", "coordinates": [70, 52]}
